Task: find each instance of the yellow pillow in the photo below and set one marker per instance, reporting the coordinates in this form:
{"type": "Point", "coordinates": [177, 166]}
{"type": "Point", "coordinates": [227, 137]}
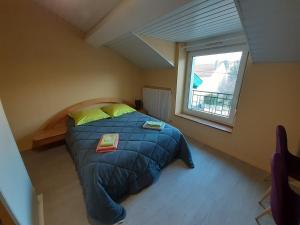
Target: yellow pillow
{"type": "Point", "coordinates": [88, 115]}
{"type": "Point", "coordinates": [115, 110]}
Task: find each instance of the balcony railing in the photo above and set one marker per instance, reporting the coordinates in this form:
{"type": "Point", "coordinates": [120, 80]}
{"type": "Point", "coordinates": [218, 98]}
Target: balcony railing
{"type": "Point", "coordinates": [211, 102]}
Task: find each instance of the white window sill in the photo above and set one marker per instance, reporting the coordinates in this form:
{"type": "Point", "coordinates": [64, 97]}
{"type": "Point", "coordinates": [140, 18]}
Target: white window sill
{"type": "Point", "coordinates": [209, 123]}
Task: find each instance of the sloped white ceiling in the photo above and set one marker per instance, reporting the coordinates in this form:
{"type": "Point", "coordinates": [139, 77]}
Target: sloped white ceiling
{"type": "Point", "coordinates": [83, 14]}
{"type": "Point", "coordinates": [137, 51]}
{"type": "Point", "coordinates": [196, 20]}
{"type": "Point", "coordinates": [129, 16]}
{"type": "Point", "coordinates": [272, 28]}
{"type": "Point", "coordinates": [119, 24]}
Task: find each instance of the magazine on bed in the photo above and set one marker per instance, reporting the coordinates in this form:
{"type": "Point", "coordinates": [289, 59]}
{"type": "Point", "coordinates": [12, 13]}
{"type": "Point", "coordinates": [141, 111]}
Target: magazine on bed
{"type": "Point", "coordinates": [108, 143]}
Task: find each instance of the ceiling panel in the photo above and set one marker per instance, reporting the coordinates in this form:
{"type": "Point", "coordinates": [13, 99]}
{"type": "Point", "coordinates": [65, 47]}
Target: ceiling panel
{"type": "Point", "coordinates": [196, 20]}
{"type": "Point", "coordinates": [272, 28]}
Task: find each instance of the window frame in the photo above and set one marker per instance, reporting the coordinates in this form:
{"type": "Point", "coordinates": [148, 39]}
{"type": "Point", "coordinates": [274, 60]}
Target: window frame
{"type": "Point", "coordinates": [188, 84]}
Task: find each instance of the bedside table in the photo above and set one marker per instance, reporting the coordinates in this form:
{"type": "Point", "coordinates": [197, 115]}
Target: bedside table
{"type": "Point", "coordinates": [49, 136]}
{"type": "Point", "coordinates": [142, 111]}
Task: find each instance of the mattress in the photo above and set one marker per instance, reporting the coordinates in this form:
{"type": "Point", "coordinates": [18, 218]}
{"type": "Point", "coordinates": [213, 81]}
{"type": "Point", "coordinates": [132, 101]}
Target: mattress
{"type": "Point", "coordinates": [107, 178]}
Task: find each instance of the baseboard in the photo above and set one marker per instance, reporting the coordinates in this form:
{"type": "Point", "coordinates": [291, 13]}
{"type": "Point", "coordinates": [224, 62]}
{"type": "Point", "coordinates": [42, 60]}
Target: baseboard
{"type": "Point", "coordinates": [40, 209]}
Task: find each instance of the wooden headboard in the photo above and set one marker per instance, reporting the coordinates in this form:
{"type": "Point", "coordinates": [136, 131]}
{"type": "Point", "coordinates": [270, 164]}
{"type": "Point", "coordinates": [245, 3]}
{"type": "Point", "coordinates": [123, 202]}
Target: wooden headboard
{"type": "Point", "coordinates": [55, 128]}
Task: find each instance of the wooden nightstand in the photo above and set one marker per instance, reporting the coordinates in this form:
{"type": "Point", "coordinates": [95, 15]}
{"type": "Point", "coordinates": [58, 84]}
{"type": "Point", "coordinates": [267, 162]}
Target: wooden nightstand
{"type": "Point", "coordinates": [142, 111]}
{"type": "Point", "coordinates": [49, 136]}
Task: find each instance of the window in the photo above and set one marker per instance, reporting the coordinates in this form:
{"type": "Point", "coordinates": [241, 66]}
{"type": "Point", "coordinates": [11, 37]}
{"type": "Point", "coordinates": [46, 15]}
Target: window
{"type": "Point", "coordinates": [213, 83]}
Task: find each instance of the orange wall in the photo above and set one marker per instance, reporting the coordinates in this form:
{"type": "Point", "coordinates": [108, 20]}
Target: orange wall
{"type": "Point", "coordinates": [270, 95]}
{"type": "Point", "coordinates": [45, 66]}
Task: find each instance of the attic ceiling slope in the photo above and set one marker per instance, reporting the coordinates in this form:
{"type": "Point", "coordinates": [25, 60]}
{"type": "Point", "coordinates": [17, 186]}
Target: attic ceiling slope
{"type": "Point", "coordinates": [167, 21]}
{"type": "Point", "coordinates": [83, 14]}
{"type": "Point", "coordinates": [272, 28]}
{"type": "Point", "coordinates": [129, 16]}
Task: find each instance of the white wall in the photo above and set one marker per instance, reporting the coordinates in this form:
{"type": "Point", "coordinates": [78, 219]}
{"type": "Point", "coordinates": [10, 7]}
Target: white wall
{"type": "Point", "coordinates": [16, 190]}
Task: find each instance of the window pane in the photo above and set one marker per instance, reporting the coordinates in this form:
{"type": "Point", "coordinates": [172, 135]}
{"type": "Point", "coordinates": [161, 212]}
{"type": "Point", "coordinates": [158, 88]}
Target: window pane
{"type": "Point", "coordinates": [213, 80]}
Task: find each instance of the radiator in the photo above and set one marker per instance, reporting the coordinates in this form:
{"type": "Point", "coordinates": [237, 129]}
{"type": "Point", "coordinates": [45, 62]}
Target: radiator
{"type": "Point", "coordinates": [157, 102]}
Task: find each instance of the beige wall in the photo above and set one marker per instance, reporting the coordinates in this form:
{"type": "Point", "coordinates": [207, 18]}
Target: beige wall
{"type": "Point", "coordinates": [270, 95]}
{"type": "Point", "coordinates": [45, 66]}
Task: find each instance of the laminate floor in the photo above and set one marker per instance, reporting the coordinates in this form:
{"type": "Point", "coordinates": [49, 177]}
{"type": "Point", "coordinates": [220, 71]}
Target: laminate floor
{"type": "Point", "coordinates": [220, 191]}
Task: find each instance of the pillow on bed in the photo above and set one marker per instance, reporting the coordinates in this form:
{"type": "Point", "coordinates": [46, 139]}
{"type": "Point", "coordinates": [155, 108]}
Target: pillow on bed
{"type": "Point", "coordinates": [115, 110]}
{"type": "Point", "coordinates": [88, 115]}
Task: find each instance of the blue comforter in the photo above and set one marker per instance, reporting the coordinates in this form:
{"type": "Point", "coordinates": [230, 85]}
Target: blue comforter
{"type": "Point", "coordinates": [109, 177]}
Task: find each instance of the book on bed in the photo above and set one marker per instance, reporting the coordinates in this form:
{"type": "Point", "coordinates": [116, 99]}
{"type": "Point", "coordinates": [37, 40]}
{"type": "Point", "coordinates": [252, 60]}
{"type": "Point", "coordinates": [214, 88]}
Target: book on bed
{"type": "Point", "coordinates": [155, 125]}
{"type": "Point", "coordinates": [108, 143]}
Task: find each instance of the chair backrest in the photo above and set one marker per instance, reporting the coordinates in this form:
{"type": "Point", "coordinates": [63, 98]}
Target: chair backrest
{"type": "Point", "coordinates": [279, 189]}
{"type": "Point", "coordinates": [281, 140]}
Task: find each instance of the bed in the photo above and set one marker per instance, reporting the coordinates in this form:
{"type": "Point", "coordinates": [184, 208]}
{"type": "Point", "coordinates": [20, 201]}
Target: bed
{"type": "Point", "coordinates": [108, 178]}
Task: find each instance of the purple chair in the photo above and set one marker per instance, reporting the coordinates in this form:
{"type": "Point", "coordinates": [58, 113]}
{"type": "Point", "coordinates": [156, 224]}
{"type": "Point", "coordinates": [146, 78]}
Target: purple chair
{"type": "Point", "coordinates": [293, 162]}
{"type": "Point", "coordinates": [285, 203]}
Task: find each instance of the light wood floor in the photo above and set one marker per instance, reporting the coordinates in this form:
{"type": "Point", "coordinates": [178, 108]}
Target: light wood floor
{"type": "Point", "coordinates": [219, 191]}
